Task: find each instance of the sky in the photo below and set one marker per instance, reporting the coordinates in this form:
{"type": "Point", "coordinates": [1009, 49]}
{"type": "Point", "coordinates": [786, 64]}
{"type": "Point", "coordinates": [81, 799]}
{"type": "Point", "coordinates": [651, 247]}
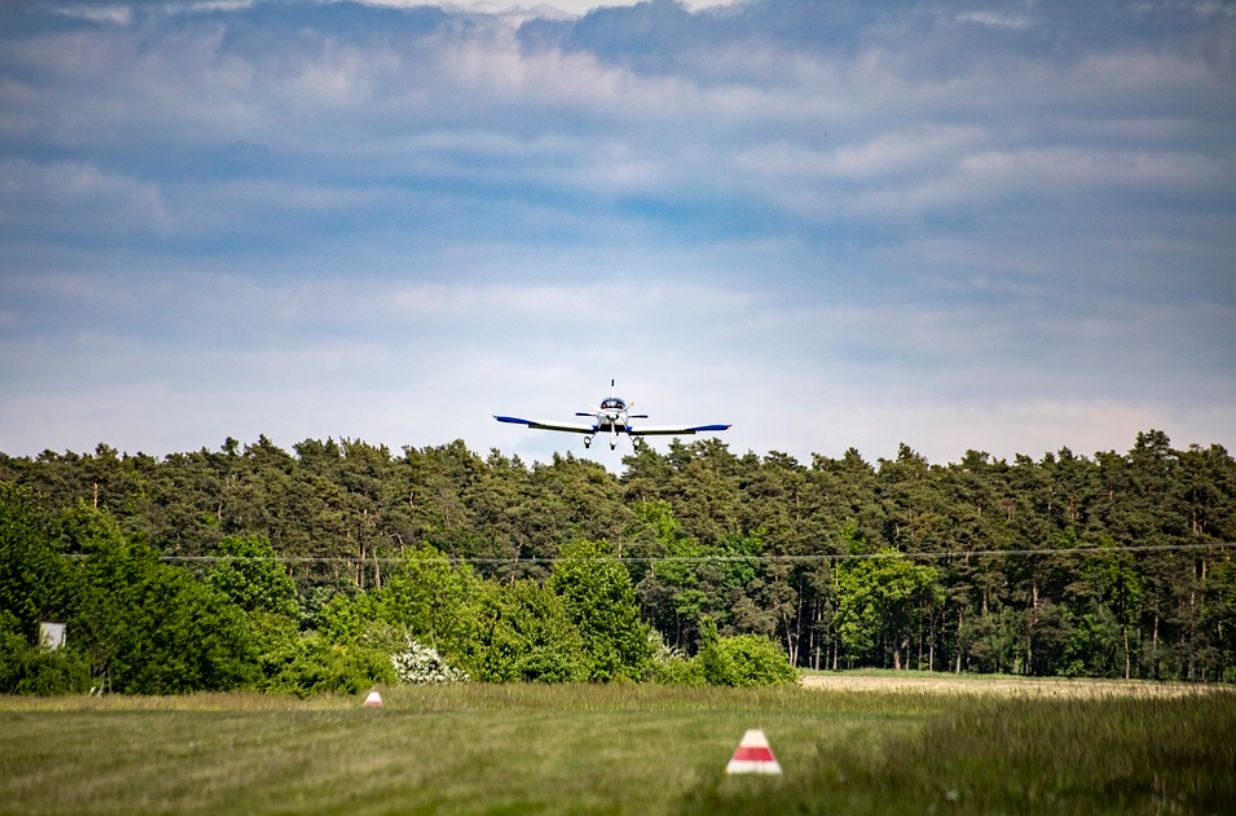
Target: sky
{"type": "Point", "coordinates": [1000, 226]}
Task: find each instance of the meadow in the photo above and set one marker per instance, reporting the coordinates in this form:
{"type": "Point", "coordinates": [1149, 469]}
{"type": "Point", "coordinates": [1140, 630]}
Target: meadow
{"type": "Point", "coordinates": [881, 748]}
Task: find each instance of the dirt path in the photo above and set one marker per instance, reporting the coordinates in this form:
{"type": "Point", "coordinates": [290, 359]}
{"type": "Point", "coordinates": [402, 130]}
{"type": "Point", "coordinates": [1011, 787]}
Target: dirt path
{"type": "Point", "coordinates": [1004, 686]}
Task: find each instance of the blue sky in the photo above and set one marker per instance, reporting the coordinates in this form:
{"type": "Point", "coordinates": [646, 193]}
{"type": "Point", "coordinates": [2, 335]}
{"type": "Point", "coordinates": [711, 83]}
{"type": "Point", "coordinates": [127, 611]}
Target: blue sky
{"type": "Point", "coordinates": [1001, 226]}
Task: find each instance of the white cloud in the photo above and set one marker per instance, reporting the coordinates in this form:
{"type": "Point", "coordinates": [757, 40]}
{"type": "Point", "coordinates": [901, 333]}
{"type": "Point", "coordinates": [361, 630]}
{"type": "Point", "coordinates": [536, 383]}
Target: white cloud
{"type": "Point", "coordinates": [917, 149]}
{"type": "Point", "coordinates": [996, 19]}
{"type": "Point", "coordinates": [541, 8]}
{"type": "Point", "coordinates": [116, 15]}
{"type": "Point", "coordinates": [64, 196]}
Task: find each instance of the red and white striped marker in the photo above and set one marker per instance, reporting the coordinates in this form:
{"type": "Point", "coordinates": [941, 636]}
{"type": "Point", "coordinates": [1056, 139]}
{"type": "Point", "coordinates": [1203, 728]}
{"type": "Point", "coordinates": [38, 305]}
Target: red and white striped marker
{"type": "Point", "coordinates": [374, 700]}
{"type": "Point", "coordinates": [753, 755]}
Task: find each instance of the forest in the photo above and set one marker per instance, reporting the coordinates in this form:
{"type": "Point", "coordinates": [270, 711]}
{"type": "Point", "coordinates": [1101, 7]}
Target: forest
{"type": "Point", "coordinates": [270, 564]}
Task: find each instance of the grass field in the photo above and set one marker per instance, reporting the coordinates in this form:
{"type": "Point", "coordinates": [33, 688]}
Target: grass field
{"type": "Point", "coordinates": [622, 749]}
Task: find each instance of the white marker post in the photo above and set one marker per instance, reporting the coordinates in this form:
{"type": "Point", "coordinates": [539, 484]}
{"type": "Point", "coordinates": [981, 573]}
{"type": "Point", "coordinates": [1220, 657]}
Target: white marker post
{"type": "Point", "coordinates": [753, 755]}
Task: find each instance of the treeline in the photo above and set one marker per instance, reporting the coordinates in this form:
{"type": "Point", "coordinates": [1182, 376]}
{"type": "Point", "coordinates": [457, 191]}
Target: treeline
{"type": "Point", "coordinates": [140, 625]}
{"type": "Point", "coordinates": [1116, 565]}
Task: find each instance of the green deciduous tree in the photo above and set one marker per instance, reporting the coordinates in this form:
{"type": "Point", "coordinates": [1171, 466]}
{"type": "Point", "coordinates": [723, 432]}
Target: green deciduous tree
{"type": "Point", "coordinates": [878, 599]}
{"type": "Point", "coordinates": [526, 634]}
{"type": "Point", "coordinates": [596, 590]}
{"type": "Point", "coordinates": [149, 627]}
{"type": "Point", "coordinates": [251, 578]}
{"type": "Point", "coordinates": [437, 602]}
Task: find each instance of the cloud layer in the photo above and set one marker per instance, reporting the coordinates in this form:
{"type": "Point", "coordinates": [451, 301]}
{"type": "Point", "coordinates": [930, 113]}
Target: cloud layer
{"type": "Point", "coordinates": [996, 225]}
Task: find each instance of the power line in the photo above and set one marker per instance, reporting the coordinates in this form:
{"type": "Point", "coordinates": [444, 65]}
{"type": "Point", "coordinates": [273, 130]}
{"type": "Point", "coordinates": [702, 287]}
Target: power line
{"type": "Point", "coordinates": [703, 559]}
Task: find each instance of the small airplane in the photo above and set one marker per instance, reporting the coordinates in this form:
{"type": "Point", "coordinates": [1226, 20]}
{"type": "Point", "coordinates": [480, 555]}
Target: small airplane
{"type": "Point", "coordinates": [612, 416]}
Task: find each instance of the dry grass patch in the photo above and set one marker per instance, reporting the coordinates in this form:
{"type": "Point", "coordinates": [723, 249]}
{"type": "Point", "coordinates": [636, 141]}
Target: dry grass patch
{"type": "Point", "coordinates": [1000, 685]}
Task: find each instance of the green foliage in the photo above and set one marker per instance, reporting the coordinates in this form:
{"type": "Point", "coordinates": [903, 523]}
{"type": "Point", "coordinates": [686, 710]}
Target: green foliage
{"type": "Point", "coordinates": [307, 664]}
{"type": "Point", "coordinates": [34, 584]}
{"type": "Point", "coordinates": [26, 669]}
{"type": "Point", "coordinates": [317, 666]}
{"type": "Point", "coordinates": [46, 673]}
{"type": "Point", "coordinates": [435, 601]}
{"type": "Point", "coordinates": [679, 671]}
{"type": "Point", "coordinates": [345, 618]}
{"type": "Point", "coordinates": [877, 597]}
{"type": "Point", "coordinates": [13, 650]}
{"type": "Point", "coordinates": [599, 599]}
{"type": "Point", "coordinates": [251, 578]}
{"type": "Point", "coordinates": [671, 667]}
{"type": "Point", "coordinates": [149, 627]}
{"type": "Point", "coordinates": [1092, 645]}
{"type": "Point", "coordinates": [193, 639]}
{"type": "Point", "coordinates": [276, 642]}
{"type": "Point", "coordinates": [525, 634]}
{"type": "Point", "coordinates": [744, 660]}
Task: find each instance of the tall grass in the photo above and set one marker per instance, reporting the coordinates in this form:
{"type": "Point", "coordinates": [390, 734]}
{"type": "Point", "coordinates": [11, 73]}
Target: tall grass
{"type": "Point", "coordinates": [1120, 755]}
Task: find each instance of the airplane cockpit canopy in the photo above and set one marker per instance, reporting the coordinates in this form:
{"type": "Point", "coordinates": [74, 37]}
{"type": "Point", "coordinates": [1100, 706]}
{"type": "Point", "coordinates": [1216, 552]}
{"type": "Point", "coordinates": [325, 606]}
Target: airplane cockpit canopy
{"type": "Point", "coordinates": [613, 404]}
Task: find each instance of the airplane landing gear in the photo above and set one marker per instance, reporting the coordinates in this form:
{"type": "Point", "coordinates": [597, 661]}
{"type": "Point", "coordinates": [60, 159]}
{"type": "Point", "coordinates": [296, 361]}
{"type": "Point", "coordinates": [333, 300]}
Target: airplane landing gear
{"type": "Point", "coordinates": [587, 441]}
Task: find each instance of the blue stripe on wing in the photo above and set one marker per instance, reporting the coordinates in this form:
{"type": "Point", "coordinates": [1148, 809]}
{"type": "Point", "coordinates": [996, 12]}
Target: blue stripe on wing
{"type": "Point", "coordinates": [567, 427]}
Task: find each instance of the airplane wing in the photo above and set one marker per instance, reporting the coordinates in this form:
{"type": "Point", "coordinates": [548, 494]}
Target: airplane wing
{"type": "Point", "coordinates": [673, 430]}
{"type": "Point", "coordinates": [569, 427]}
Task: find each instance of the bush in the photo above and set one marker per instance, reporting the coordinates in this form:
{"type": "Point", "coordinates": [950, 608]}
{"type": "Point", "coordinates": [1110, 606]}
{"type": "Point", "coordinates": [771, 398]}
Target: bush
{"type": "Point", "coordinates": [671, 667]}
{"type": "Point", "coordinates": [678, 671]}
{"type": "Point", "coordinates": [26, 669]}
{"type": "Point", "coordinates": [745, 660]}
{"type": "Point", "coordinates": [60, 672]}
{"type": "Point", "coordinates": [525, 634]}
{"type": "Point", "coordinates": [420, 665]}
{"type": "Point", "coordinates": [320, 667]}
{"type": "Point", "coordinates": [276, 641]}
{"type": "Point", "coordinates": [544, 666]}
{"type": "Point", "coordinates": [13, 649]}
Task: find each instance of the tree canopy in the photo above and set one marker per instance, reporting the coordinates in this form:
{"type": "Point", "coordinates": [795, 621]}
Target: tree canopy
{"type": "Point", "coordinates": [1108, 565]}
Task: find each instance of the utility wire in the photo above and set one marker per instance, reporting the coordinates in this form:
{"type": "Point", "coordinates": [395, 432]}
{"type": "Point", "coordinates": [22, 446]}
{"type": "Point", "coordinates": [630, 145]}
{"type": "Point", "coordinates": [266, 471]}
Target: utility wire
{"type": "Point", "coordinates": [703, 559]}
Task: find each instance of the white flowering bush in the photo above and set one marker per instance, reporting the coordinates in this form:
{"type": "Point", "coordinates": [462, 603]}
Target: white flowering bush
{"type": "Point", "coordinates": [420, 665]}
